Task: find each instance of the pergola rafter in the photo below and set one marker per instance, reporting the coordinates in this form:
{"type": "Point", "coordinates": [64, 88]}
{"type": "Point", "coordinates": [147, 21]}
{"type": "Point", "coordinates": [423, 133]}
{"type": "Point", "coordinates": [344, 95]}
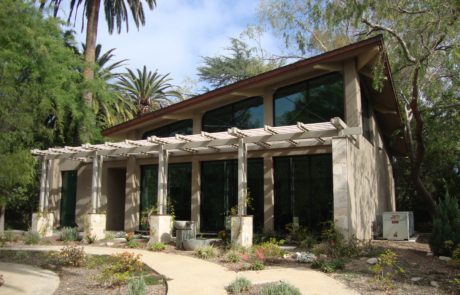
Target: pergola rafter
{"type": "Point", "coordinates": [300, 135]}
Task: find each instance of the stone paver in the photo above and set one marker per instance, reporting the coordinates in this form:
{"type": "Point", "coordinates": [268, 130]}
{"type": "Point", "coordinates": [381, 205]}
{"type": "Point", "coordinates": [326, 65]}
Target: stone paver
{"type": "Point", "coordinates": [26, 279]}
{"type": "Point", "coordinates": [188, 275]}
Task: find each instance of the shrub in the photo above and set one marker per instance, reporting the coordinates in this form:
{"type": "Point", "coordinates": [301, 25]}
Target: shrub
{"type": "Point", "coordinates": [158, 246]}
{"type": "Point", "coordinates": [31, 237]}
{"type": "Point", "coordinates": [257, 265]}
{"type": "Point", "coordinates": [136, 286]}
{"type": "Point", "coordinates": [69, 234]}
{"type": "Point", "coordinates": [269, 250]}
{"type": "Point", "coordinates": [446, 227]}
{"type": "Point", "coordinates": [121, 269]}
{"type": "Point", "coordinates": [280, 288]}
{"type": "Point", "coordinates": [206, 252]}
{"type": "Point", "coordinates": [385, 270]}
{"type": "Point", "coordinates": [328, 266]}
{"type": "Point", "coordinates": [239, 285]}
{"type": "Point", "coordinates": [68, 256]}
{"type": "Point", "coordinates": [90, 239]}
{"type": "Point", "coordinates": [298, 233]}
{"type": "Point", "coordinates": [232, 256]}
{"type": "Point", "coordinates": [129, 236]}
{"type": "Point", "coordinates": [133, 244]}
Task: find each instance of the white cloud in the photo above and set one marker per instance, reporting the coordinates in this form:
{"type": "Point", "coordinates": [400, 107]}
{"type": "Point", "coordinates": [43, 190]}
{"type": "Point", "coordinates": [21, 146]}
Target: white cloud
{"type": "Point", "coordinates": [178, 33]}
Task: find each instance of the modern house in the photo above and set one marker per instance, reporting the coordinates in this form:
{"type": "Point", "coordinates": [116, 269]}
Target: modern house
{"type": "Point", "coordinates": [308, 142]}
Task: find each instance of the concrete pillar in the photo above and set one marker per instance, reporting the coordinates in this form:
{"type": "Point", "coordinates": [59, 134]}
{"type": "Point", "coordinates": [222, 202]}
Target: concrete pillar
{"type": "Point", "coordinates": [269, 195]}
{"type": "Point", "coordinates": [132, 195]}
{"type": "Point", "coordinates": [162, 180]}
{"type": "Point", "coordinates": [94, 182]}
{"type": "Point", "coordinates": [43, 181]}
{"type": "Point", "coordinates": [197, 123]}
{"type": "Point", "coordinates": [242, 230]}
{"type": "Point", "coordinates": [342, 201]}
{"type": "Point", "coordinates": [268, 107]}
{"type": "Point", "coordinates": [95, 225]}
{"type": "Point", "coordinates": [160, 228]}
{"type": "Point", "coordinates": [352, 94]}
{"type": "Point", "coordinates": [42, 223]}
{"type": "Point", "coordinates": [242, 177]}
{"type": "Point", "coordinates": [196, 190]}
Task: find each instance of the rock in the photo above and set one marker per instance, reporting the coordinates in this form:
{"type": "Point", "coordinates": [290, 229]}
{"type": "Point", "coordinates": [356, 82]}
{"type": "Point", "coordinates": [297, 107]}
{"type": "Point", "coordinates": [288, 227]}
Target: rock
{"type": "Point", "coordinates": [434, 284]}
{"type": "Point", "coordinates": [416, 279]}
{"type": "Point", "coordinates": [305, 257]}
{"type": "Point", "coordinates": [429, 254]}
{"type": "Point", "coordinates": [287, 256]}
{"type": "Point", "coordinates": [372, 261]}
{"type": "Point", "coordinates": [322, 256]}
{"type": "Point", "coordinates": [110, 244]}
{"type": "Point", "coordinates": [445, 258]}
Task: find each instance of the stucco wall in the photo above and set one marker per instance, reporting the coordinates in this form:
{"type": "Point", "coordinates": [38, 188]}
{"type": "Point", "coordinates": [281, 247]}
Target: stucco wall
{"type": "Point", "coordinates": [364, 189]}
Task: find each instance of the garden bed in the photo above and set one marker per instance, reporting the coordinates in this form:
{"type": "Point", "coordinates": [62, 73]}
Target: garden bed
{"type": "Point", "coordinates": [86, 279]}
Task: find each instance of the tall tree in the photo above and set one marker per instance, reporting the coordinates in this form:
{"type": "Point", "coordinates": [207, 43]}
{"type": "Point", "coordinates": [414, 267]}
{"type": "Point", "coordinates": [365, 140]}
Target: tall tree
{"type": "Point", "coordinates": [148, 90]}
{"type": "Point", "coordinates": [422, 41]}
{"type": "Point", "coordinates": [242, 63]}
{"type": "Point", "coordinates": [116, 14]}
{"type": "Point", "coordinates": [39, 94]}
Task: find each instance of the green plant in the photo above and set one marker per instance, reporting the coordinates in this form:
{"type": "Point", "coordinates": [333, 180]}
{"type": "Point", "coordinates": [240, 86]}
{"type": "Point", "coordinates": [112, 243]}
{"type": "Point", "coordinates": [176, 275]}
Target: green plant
{"type": "Point", "coordinates": [129, 236]}
{"type": "Point", "coordinates": [137, 286]}
{"type": "Point", "coordinates": [133, 244]}
{"type": "Point", "coordinates": [69, 234]}
{"type": "Point", "coordinates": [239, 285]}
{"type": "Point", "coordinates": [21, 255]}
{"type": "Point", "coordinates": [297, 233]}
{"type": "Point", "coordinates": [328, 266]}
{"type": "Point", "coordinates": [109, 236]}
{"type": "Point", "coordinates": [257, 265]}
{"type": "Point", "coordinates": [90, 239]}
{"type": "Point", "coordinates": [279, 288]}
{"type": "Point", "coordinates": [232, 256]}
{"type": "Point", "coordinates": [158, 246]}
{"type": "Point", "coordinates": [31, 237]}
{"type": "Point", "coordinates": [270, 249]}
{"type": "Point", "coordinates": [385, 270]}
{"type": "Point", "coordinates": [121, 268]}
{"type": "Point", "coordinates": [446, 227]}
{"type": "Point", "coordinates": [68, 256]}
{"type": "Point", "coordinates": [206, 252]}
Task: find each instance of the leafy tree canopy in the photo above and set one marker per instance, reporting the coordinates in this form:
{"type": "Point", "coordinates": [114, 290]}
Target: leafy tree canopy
{"type": "Point", "coordinates": [39, 91]}
{"type": "Point", "coordinates": [242, 63]}
{"type": "Point", "coordinates": [423, 44]}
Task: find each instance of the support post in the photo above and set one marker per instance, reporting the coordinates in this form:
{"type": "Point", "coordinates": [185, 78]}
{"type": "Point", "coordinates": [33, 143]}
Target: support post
{"type": "Point", "coordinates": [43, 180]}
{"type": "Point", "coordinates": [162, 180]}
{"type": "Point", "coordinates": [242, 177]}
{"type": "Point", "coordinates": [94, 182]}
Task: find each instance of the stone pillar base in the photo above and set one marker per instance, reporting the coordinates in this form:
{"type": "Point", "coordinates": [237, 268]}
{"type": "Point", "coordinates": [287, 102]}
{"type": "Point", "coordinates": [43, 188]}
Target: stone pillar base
{"type": "Point", "coordinates": [160, 228]}
{"type": "Point", "coordinates": [95, 225]}
{"type": "Point", "coordinates": [42, 223]}
{"type": "Point", "coordinates": [241, 230]}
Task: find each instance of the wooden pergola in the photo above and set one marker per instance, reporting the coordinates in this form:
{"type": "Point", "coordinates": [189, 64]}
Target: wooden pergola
{"type": "Point", "coordinates": [234, 140]}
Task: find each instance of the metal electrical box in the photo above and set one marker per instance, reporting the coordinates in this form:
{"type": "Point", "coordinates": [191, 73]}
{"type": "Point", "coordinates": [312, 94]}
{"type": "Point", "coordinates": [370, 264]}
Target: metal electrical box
{"type": "Point", "coordinates": [398, 225]}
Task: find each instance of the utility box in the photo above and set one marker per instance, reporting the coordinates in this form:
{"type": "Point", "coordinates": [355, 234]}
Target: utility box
{"type": "Point", "coordinates": [398, 225]}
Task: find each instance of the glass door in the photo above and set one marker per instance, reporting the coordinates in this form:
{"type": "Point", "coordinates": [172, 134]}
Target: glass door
{"type": "Point", "coordinates": [68, 198]}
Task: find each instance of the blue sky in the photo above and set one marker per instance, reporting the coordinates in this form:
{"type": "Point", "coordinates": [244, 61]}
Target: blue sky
{"type": "Point", "coordinates": [178, 33]}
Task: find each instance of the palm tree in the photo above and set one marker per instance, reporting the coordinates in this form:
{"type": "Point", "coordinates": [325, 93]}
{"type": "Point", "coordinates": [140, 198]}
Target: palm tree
{"type": "Point", "coordinates": [110, 107]}
{"type": "Point", "coordinates": [149, 90]}
{"type": "Point", "coordinates": [116, 14]}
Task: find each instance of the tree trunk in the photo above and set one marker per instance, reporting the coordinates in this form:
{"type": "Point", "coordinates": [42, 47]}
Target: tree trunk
{"type": "Point", "coordinates": [418, 152]}
{"type": "Point", "coordinates": [90, 50]}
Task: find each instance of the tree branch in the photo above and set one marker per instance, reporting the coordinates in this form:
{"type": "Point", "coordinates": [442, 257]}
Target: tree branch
{"type": "Point", "coordinates": [403, 44]}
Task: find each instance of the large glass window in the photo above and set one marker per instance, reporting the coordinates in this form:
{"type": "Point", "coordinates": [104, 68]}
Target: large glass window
{"type": "Point", "coordinates": [303, 191]}
{"type": "Point", "coordinates": [179, 190]}
{"type": "Point", "coordinates": [184, 127]}
{"type": "Point", "coordinates": [245, 114]}
{"type": "Point", "coordinates": [311, 101]}
{"type": "Point", "coordinates": [219, 193]}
